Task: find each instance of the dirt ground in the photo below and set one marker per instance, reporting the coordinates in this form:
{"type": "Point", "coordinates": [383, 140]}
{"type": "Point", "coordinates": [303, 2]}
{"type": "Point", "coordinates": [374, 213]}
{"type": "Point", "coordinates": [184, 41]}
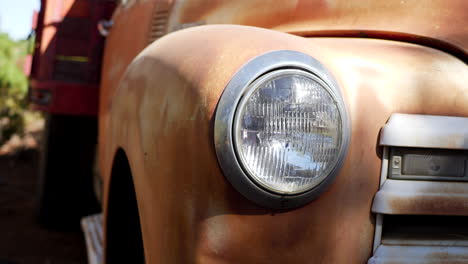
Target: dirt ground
{"type": "Point", "coordinates": [22, 240]}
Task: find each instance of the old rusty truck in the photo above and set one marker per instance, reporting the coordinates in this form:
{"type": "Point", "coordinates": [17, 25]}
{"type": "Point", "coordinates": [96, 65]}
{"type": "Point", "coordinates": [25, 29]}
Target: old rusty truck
{"type": "Point", "coordinates": [260, 131]}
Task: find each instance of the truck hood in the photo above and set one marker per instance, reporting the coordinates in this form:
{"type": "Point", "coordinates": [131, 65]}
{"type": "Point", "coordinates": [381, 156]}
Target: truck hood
{"type": "Point", "coordinates": [441, 20]}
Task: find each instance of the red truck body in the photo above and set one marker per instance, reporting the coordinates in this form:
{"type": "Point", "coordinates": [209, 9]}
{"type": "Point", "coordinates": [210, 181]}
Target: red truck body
{"type": "Point", "coordinates": [66, 65]}
{"type": "Point", "coordinates": [65, 77]}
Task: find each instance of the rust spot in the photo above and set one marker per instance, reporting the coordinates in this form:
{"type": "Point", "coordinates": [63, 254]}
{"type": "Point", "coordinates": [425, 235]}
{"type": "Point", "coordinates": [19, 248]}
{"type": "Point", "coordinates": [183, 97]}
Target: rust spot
{"type": "Point", "coordinates": [430, 206]}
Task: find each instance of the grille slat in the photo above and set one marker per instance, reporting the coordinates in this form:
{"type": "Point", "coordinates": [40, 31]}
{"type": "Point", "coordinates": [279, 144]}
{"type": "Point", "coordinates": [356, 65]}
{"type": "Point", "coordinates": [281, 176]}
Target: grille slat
{"type": "Point", "coordinates": [159, 22]}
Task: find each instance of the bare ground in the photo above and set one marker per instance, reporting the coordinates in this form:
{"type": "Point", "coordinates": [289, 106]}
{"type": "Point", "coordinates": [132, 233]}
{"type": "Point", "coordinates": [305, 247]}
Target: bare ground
{"type": "Point", "coordinates": [22, 240]}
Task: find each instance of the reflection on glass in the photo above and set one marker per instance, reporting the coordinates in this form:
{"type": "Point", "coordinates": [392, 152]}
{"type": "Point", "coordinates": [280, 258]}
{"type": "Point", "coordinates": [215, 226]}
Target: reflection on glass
{"type": "Point", "coordinates": [289, 133]}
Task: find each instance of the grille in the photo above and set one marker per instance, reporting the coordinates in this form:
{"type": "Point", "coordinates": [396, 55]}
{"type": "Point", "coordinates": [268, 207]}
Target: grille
{"type": "Point", "coordinates": [159, 21]}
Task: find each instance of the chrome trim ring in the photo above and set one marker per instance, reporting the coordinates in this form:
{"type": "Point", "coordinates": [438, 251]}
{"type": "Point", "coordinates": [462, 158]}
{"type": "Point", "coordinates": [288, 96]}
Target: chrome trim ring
{"type": "Point", "coordinates": [224, 125]}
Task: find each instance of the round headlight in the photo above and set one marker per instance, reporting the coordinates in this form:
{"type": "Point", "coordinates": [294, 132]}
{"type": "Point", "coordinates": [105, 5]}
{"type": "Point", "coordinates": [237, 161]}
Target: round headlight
{"type": "Point", "coordinates": [287, 131]}
{"type": "Point", "coordinates": [281, 129]}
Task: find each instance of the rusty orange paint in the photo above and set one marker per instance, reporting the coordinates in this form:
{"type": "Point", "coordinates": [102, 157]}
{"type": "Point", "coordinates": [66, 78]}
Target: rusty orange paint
{"type": "Point", "coordinates": [161, 114]}
{"type": "Point", "coordinates": [122, 45]}
{"type": "Point", "coordinates": [439, 19]}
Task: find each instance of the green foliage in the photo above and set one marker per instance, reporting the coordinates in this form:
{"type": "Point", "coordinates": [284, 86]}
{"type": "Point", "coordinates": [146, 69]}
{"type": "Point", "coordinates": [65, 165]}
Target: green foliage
{"type": "Point", "coordinates": [13, 86]}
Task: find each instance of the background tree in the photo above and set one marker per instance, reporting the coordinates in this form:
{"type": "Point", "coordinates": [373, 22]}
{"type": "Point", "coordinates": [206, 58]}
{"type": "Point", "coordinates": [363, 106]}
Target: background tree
{"type": "Point", "coordinates": [13, 86]}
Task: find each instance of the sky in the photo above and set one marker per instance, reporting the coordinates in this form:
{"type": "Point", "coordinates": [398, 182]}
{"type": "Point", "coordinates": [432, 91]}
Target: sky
{"type": "Point", "coordinates": [16, 17]}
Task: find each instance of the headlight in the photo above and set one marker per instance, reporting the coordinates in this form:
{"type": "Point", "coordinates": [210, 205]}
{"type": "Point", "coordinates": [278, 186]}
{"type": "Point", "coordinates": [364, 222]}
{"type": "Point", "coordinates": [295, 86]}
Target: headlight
{"type": "Point", "coordinates": [281, 129]}
{"type": "Point", "coordinates": [287, 131]}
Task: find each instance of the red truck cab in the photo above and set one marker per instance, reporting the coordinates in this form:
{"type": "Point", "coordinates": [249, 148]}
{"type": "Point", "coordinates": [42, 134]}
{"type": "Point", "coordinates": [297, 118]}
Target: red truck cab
{"type": "Point", "coordinates": [65, 79]}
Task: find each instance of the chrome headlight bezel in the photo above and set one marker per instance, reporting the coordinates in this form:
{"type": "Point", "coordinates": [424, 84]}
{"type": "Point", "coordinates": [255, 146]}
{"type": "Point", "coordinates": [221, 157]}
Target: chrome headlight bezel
{"type": "Point", "coordinates": [236, 89]}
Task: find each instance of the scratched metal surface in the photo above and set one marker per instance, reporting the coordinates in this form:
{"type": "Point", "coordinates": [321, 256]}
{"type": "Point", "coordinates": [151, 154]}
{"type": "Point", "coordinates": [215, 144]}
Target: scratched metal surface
{"type": "Point", "coordinates": [388, 254]}
{"type": "Point", "coordinates": [425, 131]}
{"type": "Point", "coordinates": [422, 198]}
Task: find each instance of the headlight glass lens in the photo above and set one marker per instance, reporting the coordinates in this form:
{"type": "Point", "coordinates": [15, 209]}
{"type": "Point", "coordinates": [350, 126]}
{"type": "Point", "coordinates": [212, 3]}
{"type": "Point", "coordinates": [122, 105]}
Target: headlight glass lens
{"type": "Point", "coordinates": [287, 131]}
